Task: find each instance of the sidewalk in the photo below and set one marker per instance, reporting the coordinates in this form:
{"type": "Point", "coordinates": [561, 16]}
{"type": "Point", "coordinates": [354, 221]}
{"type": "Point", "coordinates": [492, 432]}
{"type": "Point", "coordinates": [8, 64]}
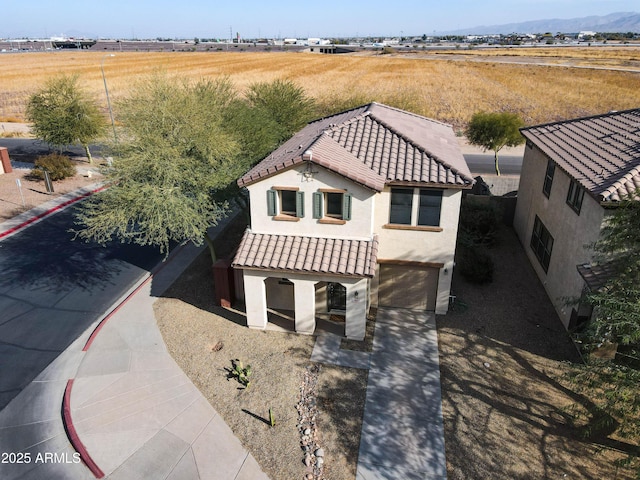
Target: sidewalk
{"type": "Point", "coordinates": [116, 402]}
{"type": "Point", "coordinates": [129, 412]}
{"type": "Point", "coordinates": [137, 413]}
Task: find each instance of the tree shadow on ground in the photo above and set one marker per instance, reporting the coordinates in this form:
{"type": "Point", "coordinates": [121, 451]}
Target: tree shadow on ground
{"type": "Point", "coordinates": [341, 399]}
{"type": "Point", "coordinates": [46, 257]}
{"type": "Point", "coordinates": [196, 285]}
{"type": "Point", "coordinates": [507, 412]}
{"type": "Point", "coordinates": [517, 408]}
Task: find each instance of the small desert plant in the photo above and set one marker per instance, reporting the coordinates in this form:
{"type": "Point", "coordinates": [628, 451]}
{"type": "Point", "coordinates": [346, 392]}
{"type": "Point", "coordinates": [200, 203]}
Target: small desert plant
{"type": "Point", "coordinates": [272, 418]}
{"type": "Point", "coordinates": [58, 166]}
{"type": "Point", "coordinates": [240, 372]}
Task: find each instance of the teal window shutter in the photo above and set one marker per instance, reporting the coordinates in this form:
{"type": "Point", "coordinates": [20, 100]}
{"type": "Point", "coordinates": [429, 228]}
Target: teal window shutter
{"type": "Point", "coordinates": [271, 202]}
{"type": "Point", "coordinates": [317, 205]}
{"type": "Point", "coordinates": [346, 206]}
{"type": "Point", "coordinates": [300, 204]}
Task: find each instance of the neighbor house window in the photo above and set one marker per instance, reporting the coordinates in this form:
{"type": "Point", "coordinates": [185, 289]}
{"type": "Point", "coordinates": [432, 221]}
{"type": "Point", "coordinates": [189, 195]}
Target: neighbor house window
{"type": "Point", "coordinates": [548, 178]}
{"type": "Point", "coordinates": [575, 196]}
{"type": "Point", "coordinates": [419, 207]}
{"type": "Point", "coordinates": [541, 243]}
{"type": "Point", "coordinates": [332, 206]}
{"type": "Point", "coordinates": [285, 203]}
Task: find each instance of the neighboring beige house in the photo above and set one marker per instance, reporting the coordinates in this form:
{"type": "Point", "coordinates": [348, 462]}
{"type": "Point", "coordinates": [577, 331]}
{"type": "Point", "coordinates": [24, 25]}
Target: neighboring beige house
{"type": "Point", "coordinates": [574, 172]}
{"type": "Point", "coordinates": [357, 209]}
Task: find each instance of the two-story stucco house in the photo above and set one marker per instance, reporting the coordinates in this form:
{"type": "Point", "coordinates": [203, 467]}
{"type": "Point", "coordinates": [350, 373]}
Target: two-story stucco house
{"type": "Point", "coordinates": [357, 209]}
{"type": "Point", "coordinates": [574, 172]}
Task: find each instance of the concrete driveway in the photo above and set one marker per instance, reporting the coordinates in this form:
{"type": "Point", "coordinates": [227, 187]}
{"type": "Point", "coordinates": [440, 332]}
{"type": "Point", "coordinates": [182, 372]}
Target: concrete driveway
{"type": "Point", "coordinates": [402, 433]}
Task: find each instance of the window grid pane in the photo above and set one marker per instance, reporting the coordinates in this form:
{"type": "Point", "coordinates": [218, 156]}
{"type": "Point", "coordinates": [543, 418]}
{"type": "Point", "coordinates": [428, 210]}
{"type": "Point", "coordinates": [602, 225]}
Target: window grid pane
{"type": "Point", "coordinates": [401, 202]}
{"type": "Point", "coordinates": [575, 196]}
{"type": "Point", "coordinates": [429, 208]}
{"type": "Point", "coordinates": [541, 243]}
{"type": "Point", "coordinates": [334, 205]}
{"type": "Point", "coordinates": [548, 179]}
{"type": "Point", "coordinates": [288, 202]}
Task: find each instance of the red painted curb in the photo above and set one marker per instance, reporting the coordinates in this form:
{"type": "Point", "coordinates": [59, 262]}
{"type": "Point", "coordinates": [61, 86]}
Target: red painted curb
{"type": "Point", "coordinates": [96, 331]}
{"type": "Point", "coordinates": [50, 211]}
{"type": "Point", "coordinates": [73, 435]}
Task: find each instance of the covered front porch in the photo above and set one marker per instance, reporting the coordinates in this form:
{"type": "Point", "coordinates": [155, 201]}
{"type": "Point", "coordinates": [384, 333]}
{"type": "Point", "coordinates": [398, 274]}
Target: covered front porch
{"type": "Point", "coordinates": [309, 276]}
{"type": "Point", "coordinates": [299, 302]}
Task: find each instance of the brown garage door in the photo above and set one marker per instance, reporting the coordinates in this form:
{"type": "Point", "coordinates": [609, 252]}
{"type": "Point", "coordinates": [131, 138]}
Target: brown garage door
{"type": "Point", "coordinates": [408, 287]}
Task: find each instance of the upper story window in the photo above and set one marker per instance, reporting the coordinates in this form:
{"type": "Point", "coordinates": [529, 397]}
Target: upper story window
{"type": "Point", "coordinates": [548, 178]}
{"type": "Point", "coordinates": [285, 203]}
{"type": "Point", "coordinates": [541, 243]}
{"type": "Point", "coordinates": [332, 206]}
{"type": "Point", "coordinates": [415, 207]}
{"type": "Point", "coordinates": [429, 208]}
{"type": "Point", "coordinates": [401, 206]}
{"type": "Point", "coordinates": [575, 196]}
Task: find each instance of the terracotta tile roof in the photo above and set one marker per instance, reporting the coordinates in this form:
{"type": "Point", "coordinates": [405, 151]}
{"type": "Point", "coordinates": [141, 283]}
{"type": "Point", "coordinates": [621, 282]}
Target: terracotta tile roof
{"type": "Point", "coordinates": [596, 276]}
{"type": "Point", "coordinates": [373, 145]}
{"type": "Point", "coordinates": [602, 153]}
{"type": "Point", "coordinates": [305, 254]}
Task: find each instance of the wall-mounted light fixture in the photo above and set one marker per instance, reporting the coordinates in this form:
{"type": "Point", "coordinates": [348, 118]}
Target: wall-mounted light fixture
{"type": "Point", "coordinates": [308, 173]}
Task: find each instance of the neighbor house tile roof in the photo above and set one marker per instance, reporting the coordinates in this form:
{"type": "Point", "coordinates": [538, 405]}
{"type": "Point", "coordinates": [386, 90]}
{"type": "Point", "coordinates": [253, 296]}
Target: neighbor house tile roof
{"type": "Point", "coordinates": [602, 153]}
{"type": "Point", "coordinates": [374, 145]}
{"type": "Point", "coordinates": [596, 276]}
{"type": "Point", "coordinates": [306, 254]}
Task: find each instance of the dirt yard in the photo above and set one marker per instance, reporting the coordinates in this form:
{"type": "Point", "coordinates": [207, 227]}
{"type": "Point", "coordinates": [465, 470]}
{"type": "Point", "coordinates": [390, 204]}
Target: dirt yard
{"type": "Point", "coordinates": [204, 339]}
{"type": "Point", "coordinates": [35, 193]}
{"type": "Point", "coordinates": [503, 352]}
{"type": "Point", "coordinates": [506, 404]}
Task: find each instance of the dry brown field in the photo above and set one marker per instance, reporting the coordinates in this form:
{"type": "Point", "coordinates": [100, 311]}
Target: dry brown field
{"type": "Point", "coordinates": [448, 90]}
{"type": "Point", "coordinates": [620, 53]}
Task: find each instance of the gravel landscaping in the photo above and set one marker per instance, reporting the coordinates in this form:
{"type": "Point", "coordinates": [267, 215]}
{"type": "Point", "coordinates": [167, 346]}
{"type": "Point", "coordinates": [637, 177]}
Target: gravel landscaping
{"type": "Point", "coordinates": [34, 192]}
{"type": "Point", "coordinates": [508, 408]}
{"type": "Point", "coordinates": [315, 406]}
{"type": "Point", "coordinates": [506, 404]}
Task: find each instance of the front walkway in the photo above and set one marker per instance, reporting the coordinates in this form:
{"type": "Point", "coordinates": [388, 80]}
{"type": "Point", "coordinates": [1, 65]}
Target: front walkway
{"type": "Point", "coordinates": [402, 431]}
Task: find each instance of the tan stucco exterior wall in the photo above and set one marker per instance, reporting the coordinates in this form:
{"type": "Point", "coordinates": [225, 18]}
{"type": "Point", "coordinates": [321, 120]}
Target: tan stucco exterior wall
{"type": "Point", "coordinates": [570, 231]}
{"type": "Point", "coordinates": [370, 213]}
{"type": "Point", "coordinates": [359, 227]}
{"type": "Point", "coordinates": [422, 246]}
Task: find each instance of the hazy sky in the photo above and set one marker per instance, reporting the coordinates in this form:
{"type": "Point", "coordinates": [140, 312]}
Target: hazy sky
{"type": "Point", "coordinates": [283, 18]}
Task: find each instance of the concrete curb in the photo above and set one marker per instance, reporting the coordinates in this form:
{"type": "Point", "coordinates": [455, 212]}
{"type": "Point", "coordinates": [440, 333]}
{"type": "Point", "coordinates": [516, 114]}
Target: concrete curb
{"type": "Point", "coordinates": [72, 434]}
{"type": "Point", "coordinates": [67, 419]}
{"type": "Point", "coordinates": [34, 215]}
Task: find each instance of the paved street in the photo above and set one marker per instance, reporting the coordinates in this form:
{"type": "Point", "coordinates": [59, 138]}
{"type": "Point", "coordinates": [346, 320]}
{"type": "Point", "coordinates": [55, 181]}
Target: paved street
{"type": "Point", "coordinates": [483, 163]}
{"type": "Point", "coordinates": [51, 290]}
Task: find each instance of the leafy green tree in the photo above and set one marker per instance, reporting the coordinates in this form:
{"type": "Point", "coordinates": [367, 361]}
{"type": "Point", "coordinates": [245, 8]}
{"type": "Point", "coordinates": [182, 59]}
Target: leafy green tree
{"type": "Point", "coordinates": [493, 131]}
{"type": "Point", "coordinates": [283, 101]}
{"type": "Point", "coordinates": [617, 304]}
{"type": "Point", "coordinates": [63, 114]}
{"type": "Point", "coordinates": [174, 155]}
{"type": "Point", "coordinates": [270, 113]}
{"type": "Point", "coordinates": [614, 417]}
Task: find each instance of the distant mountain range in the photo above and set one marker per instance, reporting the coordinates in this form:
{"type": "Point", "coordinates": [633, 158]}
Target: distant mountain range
{"type": "Point", "coordinates": [614, 22]}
